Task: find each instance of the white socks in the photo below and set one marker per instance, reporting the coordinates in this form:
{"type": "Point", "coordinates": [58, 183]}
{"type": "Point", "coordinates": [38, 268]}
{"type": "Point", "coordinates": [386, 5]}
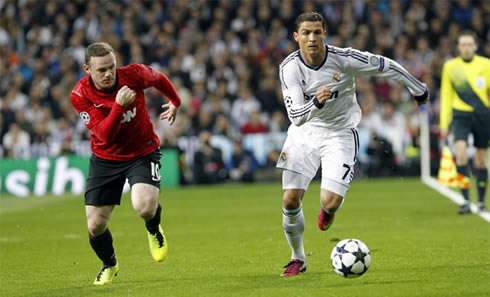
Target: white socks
{"type": "Point", "coordinates": [293, 223]}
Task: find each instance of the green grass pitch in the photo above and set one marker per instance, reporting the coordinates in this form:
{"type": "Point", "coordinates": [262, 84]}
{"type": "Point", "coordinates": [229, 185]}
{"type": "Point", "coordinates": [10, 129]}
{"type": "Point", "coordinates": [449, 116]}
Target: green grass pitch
{"type": "Point", "coordinates": [228, 241]}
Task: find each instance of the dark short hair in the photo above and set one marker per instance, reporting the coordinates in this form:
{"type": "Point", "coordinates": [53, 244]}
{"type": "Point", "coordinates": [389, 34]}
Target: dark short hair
{"type": "Point", "coordinates": [309, 17]}
{"type": "Point", "coordinates": [467, 33]}
{"type": "Point", "coordinates": [97, 49]}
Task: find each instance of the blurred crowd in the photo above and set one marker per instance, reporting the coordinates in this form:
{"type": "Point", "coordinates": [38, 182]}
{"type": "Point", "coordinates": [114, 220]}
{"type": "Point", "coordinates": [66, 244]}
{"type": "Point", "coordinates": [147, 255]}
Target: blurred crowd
{"type": "Point", "coordinates": [223, 57]}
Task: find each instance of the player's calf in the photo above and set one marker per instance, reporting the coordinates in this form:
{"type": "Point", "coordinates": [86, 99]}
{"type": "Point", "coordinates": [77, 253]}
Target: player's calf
{"type": "Point", "coordinates": [330, 202]}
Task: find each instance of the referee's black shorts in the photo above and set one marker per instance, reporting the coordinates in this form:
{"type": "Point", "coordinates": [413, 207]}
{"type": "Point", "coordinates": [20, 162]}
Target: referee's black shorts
{"type": "Point", "coordinates": [106, 178]}
{"type": "Point", "coordinates": [477, 123]}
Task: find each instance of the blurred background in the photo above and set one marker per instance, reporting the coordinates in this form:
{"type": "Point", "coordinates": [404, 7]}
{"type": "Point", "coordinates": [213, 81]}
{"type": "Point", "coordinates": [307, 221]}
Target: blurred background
{"type": "Point", "coordinates": [222, 57]}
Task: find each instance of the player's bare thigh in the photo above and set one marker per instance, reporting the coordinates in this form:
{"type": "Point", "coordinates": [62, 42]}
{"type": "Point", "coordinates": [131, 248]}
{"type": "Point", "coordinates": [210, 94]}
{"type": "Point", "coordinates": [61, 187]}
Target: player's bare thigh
{"type": "Point", "coordinates": [98, 217]}
{"type": "Point", "coordinates": [144, 198]}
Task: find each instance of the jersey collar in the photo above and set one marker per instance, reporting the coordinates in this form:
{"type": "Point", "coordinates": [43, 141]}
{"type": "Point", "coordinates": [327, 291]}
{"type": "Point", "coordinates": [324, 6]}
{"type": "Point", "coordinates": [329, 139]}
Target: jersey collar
{"type": "Point", "coordinates": [111, 90]}
{"type": "Point", "coordinates": [317, 66]}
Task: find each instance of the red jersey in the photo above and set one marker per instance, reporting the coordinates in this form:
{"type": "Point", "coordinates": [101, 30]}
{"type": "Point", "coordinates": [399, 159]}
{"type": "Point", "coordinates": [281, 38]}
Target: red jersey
{"type": "Point", "coordinates": [121, 133]}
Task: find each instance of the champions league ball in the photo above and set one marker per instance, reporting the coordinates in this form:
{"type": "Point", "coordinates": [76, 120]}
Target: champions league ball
{"type": "Point", "coordinates": [350, 258]}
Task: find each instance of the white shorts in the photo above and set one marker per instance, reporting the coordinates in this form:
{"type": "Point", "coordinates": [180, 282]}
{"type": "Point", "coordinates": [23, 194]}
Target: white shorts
{"type": "Point", "coordinates": [306, 149]}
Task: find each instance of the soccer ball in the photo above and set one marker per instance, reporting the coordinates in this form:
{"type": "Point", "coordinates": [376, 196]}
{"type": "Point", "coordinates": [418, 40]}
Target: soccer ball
{"type": "Point", "coordinates": [350, 258]}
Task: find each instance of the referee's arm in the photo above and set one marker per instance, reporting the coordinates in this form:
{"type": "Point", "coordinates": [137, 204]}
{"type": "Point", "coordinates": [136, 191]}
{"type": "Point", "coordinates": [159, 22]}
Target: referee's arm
{"type": "Point", "coordinates": [447, 95]}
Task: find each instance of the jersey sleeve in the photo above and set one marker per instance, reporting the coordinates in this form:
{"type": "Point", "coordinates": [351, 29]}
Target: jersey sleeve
{"type": "Point", "coordinates": [299, 110]}
{"type": "Point", "coordinates": [365, 63]}
{"type": "Point", "coordinates": [487, 71]}
{"type": "Point", "coordinates": [104, 128]}
{"type": "Point", "coordinates": [447, 96]}
{"type": "Point", "coordinates": [151, 77]}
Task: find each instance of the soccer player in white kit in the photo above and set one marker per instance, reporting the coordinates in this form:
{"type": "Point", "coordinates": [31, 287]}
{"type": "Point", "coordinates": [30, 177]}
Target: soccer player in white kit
{"type": "Point", "coordinates": [318, 85]}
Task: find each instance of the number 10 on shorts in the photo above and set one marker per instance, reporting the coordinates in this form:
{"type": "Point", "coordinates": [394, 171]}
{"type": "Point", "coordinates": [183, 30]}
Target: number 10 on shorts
{"type": "Point", "coordinates": [155, 171]}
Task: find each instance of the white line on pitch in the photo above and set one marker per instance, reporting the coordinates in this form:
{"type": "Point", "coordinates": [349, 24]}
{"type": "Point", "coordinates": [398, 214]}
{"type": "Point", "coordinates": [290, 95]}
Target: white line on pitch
{"type": "Point", "coordinates": [453, 196]}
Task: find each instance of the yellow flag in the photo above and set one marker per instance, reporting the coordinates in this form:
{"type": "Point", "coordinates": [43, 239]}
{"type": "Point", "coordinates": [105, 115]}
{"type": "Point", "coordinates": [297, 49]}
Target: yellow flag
{"type": "Point", "coordinates": [448, 174]}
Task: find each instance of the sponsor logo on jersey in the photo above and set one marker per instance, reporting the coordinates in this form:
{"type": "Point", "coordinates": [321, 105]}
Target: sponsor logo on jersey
{"type": "Point", "coordinates": [128, 115]}
{"type": "Point", "coordinates": [85, 117]}
{"type": "Point", "coordinates": [336, 76]}
{"type": "Point", "coordinates": [98, 105]}
{"type": "Point", "coordinates": [308, 98]}
{"type": "Point", "coordinates": [334, 95]}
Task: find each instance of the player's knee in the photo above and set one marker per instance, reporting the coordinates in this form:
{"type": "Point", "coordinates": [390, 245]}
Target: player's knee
{"type": "Point", "coordinates": [96, 226]}
{"type": "Point", "coordinates": [479, 163]}
{"type": "Point", "coordinates": [146, 213]}
{"type": "Point", "coordinates": [291, 199]}
{"type": "Point", "coordinates": [460, 159]}
{"type": "Point", "coordinates": [146, 209]}
{"type": "Point", "coordinates": [480, 160]}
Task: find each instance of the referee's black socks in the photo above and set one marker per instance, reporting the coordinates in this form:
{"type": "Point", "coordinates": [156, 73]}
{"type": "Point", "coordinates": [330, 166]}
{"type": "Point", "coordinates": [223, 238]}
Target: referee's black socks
{"type": "Point", "coordinates": [463, 169]}
{"type": "Point", "coordinates": [152, 224]}
{"type": "Point", "coordinates": [102, 245]}
{"type": "Point", "coordinates": [481, 183]}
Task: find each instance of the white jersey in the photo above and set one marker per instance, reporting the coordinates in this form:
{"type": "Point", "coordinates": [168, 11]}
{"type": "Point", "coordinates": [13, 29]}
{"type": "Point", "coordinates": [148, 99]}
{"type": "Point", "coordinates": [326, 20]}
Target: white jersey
{"type": "Point", "coordinates": [300, 81]}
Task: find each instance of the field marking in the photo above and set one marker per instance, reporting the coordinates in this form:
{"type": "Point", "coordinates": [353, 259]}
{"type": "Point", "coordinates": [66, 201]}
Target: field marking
{"type": "Point", "coordinates": [72, 236]}
{"type": "Point", "coordinates": [453, 196]}
{"type": "Point", "coordinates": [9, 239]}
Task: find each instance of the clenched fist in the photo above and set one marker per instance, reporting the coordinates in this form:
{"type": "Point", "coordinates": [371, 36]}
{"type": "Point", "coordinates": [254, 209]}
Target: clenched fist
{"type": "Point", "coordinates": [125, 96]}
{"type": "Point", "coordinates": [323, 94]}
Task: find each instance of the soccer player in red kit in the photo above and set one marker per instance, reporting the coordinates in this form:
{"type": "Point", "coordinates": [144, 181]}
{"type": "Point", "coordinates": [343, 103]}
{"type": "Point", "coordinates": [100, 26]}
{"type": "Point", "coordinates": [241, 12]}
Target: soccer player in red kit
{"type": "Point", "coordinates": [111, 104]}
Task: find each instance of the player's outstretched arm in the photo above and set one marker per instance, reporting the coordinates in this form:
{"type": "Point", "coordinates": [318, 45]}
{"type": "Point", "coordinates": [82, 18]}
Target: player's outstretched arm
{"type": "Point", "coordinates": [151, 77]}
{"type": "Point", "coordinates": [365, 63]}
